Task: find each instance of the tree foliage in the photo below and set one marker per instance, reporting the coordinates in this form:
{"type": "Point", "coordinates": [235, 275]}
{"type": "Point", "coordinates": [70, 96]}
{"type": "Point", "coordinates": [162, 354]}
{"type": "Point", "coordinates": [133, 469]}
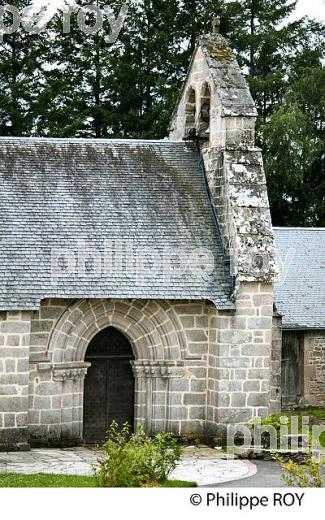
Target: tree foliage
{"type": "Point", "coordinates": [294, 141]}
{"type": "Point", "coordinates": [77, 84]}
{"type": "Point", "coordinates": [21, 77]}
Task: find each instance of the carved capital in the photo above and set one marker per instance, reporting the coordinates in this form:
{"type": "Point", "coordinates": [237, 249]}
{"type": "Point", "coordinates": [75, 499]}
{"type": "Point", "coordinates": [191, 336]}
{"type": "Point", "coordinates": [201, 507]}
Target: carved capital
{"type": "Point", "coordinates": [70, 371]}
{"type": "Point", "coordinates": [158, 369]}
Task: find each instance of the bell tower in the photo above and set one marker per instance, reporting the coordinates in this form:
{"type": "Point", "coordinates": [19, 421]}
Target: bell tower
{"type": "Point", "coordinates": [216, 108]}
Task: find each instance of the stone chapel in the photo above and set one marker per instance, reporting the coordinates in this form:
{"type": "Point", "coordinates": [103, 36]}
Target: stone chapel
{"type": "Point", "coordinates": [137, 277]}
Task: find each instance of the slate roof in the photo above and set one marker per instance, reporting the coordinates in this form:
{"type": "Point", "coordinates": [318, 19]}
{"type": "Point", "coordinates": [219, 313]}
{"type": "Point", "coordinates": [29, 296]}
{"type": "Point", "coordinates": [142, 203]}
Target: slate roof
{"type": "Point", "coordinates": [231, 86]}
{"type": "Point", "coordinates": [300, 294]}
{"type": "Point", "coordinates": [142, 196]}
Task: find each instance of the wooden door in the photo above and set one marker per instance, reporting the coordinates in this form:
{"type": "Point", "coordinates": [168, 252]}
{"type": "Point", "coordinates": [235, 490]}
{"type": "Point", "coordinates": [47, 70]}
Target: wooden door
{"type": "Point", "coordinates": [291, 379]}
{"type": "Point", "coordinates": [109, 385]}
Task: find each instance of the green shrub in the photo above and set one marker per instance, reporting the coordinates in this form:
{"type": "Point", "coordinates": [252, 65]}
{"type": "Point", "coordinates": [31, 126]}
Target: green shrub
{"type": "Point", "coordinates": [296, 475]}
{"type": "Point", "coordinates": [133, 460]}
{"type": "Point", "coordinates": [271, 420]}
{"type": "Point", "coordinates": [277, 420]}
{"type": "Point", "coordinates": [261, 425]}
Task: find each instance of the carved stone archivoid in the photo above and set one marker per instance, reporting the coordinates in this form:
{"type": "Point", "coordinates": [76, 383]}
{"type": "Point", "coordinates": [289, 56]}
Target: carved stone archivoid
{"type": "Point", "coordinates": [158, 369]}
{"type": "Point", "coordinates": [70, 371]}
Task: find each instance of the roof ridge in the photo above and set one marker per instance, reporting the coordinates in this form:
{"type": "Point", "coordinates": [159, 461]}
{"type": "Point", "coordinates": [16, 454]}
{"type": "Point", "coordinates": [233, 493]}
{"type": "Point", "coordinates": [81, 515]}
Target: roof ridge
{"type": "Point", "coordinates": [88, 140]}
{"type": "Point", "coordinates": [286, 228]}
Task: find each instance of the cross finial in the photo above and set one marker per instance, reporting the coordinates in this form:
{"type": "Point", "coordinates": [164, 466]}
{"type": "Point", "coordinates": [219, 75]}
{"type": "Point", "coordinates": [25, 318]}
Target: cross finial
{"type": "Point", "coordinates": [216, 25]}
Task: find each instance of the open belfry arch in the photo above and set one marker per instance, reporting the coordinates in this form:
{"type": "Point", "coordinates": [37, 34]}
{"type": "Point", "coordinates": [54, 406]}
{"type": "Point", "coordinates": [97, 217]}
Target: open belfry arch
{"type": "Point", "coordinates": [203, 127]}
{"type": "Point", "coordinates": [190, 112]}
{"type": "Point", "coordinates": [201, 343]}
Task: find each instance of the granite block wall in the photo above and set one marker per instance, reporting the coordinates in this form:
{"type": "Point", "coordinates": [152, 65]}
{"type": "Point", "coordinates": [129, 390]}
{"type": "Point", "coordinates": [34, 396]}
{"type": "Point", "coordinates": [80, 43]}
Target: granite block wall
{"type": "Point", "coordinates": [14, 374]}
{"type": "Point", "coordinates": [196, 369]}
{"type": "Point", "coordinates": [239, 360]}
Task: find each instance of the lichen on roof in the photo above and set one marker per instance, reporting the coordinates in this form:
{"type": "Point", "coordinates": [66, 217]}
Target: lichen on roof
{"type": "Point", "coordinates": [217, 46]}
{"type": "Point", "coordinates": [227, 76]}
{"type": "Point", "coordinates": [148, 194]}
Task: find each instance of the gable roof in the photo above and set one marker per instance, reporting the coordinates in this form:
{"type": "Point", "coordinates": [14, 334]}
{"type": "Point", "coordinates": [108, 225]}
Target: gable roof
{"type": "Point", "coordinates": [230, 83]}
{"type": "Point", "coordinates": [300, 294]}
{"type": "Point", "coordinates": [131, 199]}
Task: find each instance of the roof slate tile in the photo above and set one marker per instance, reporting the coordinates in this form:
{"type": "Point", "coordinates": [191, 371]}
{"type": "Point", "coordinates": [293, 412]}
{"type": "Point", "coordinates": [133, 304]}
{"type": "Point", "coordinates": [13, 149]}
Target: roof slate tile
{"type": "Point", "coordinates": [147, 194]}
{"type": "Point", "coordinates": [300, 293]}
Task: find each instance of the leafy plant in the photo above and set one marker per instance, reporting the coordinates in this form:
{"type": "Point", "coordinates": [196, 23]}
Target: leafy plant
{"type": "Point", "coordinates": [266, 424]}
{"type": "Point", "coordinates": [309, 474]}
{"type": "Point", "coordinates": [272, 420]}
{"type": "Point", "coordinates": [135, 460]}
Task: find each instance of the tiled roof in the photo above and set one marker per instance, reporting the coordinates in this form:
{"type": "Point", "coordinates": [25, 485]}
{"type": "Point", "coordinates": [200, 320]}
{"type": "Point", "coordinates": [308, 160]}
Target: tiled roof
{"type": "Point", "coordinates": [300, 294]}
{"type": "Point", "coordinates": [146, 199]}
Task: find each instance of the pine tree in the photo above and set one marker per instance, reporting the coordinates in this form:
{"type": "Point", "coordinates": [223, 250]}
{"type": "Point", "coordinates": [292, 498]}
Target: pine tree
{"type": "Point", "coordinates": [294, 153]}
{"type": "Point", "coordinates": [75, 100]}
{"type": "Point", "coordinates": [266, 45]}
{"type": "Point", "coordinates": [21, 77]}
{"type": "Point", "coordinates": [144, 77]}
{"type": "Point", "coordinates": [125, 89]}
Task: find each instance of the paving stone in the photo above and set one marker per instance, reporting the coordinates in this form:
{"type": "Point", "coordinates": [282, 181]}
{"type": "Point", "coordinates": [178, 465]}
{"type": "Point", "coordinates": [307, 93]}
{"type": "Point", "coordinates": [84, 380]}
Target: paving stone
{"type": "Point", "coordinates": [202, 465]}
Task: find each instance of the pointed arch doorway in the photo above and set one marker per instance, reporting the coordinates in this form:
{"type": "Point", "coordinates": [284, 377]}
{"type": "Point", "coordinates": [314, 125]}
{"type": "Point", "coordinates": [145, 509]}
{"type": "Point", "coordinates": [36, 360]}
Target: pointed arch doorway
{"type": "Point", "coordinates": [109, 384]}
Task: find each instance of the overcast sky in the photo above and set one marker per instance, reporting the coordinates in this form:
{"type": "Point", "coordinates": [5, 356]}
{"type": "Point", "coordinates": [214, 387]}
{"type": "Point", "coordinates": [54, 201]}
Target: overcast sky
{"type": "Point", "coordinates": [313, 8]}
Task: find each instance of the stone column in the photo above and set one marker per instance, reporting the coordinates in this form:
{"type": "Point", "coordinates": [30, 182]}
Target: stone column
{"type": "Point", "coordinates": [14, 375]}
{"type": "Point", "coordinates": [72, 376]}
{"type": "Point", "coordinates": [153, 399]}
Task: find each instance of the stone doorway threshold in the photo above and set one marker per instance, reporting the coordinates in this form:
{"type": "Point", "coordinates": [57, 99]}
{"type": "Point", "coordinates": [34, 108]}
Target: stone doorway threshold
{"type": "Point", "coordinates": [202, 465]}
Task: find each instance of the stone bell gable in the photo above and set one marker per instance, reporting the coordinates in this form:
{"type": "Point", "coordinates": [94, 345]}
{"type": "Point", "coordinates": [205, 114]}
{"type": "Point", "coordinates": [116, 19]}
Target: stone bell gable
{"type": "Point", "coordinates": [216, 110]}
{"type": "Point", "coordinates": [217, 107]}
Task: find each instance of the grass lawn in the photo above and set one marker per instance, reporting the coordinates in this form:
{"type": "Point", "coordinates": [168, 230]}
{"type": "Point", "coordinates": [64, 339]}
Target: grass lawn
{"type": "Point", "coordinates": [179, 484]}
{"type": "Point", "coordinates": [41, 480]}
{"type": "Point", "coordinates": [316, 413]}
